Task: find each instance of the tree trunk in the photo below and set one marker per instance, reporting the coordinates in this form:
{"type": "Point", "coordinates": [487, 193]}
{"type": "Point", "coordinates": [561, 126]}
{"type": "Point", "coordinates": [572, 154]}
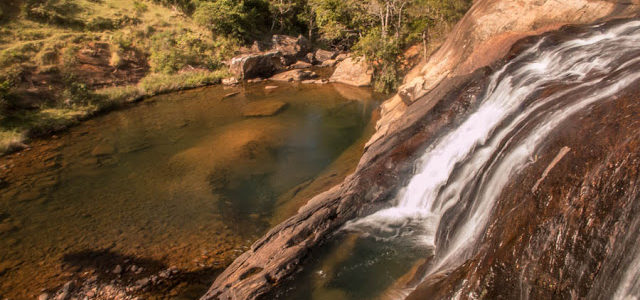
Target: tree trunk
{"type": "Point", "coordinates": [424, 44]}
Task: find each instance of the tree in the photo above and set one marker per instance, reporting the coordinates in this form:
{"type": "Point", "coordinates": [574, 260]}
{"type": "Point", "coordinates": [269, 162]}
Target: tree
{"type": "Point", "coordinates": [223, 17]}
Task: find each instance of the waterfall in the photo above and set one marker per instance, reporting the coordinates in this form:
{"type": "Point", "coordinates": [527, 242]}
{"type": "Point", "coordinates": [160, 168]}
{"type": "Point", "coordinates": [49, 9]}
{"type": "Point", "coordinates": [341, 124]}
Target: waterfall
{"type": "Point", "coordinates": [462, 173]}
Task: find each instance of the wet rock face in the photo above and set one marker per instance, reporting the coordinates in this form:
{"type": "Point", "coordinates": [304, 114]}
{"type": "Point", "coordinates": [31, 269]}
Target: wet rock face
{"type": "Point", "coordinates": [436, 99]}
{"type": "Point", "coordinates": [484, 35]}
{"type": "Point", "coordinates": [383, 168]}
{"type": "Point", "coordinates": [577, 233]}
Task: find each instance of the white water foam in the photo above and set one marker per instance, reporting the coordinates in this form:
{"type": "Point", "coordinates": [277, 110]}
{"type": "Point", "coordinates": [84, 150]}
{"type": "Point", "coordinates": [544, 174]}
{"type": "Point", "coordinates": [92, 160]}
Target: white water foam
{"type": "Point", "coordinates": [480, 152]}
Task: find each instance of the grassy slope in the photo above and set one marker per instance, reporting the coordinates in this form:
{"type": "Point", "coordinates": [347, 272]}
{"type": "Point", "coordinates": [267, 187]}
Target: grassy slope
{"type": "Point", "coordinates": [42, 58]}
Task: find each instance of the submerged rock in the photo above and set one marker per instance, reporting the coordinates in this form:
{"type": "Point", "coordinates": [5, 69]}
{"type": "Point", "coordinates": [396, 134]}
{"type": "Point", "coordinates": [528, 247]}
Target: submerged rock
{"type": "Point", "coordinates": [103, 149]}
{"type": "Point", "coordinates": [264, 108]}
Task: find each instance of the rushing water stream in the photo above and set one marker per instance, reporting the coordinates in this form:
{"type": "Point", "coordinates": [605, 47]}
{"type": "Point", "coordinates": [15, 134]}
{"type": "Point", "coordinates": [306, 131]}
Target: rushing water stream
{"type": "Point", "coordinates": [446, 205]}
{"type": "Point", "coordinates": [180, 180]}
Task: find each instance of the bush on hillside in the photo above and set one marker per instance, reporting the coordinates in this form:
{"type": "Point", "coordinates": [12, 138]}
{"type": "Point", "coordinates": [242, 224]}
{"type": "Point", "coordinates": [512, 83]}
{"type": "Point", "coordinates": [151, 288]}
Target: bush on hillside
{"type": "Point", "coordinates": [173, 50]}
{"type": "Point", "coordinates": [54, 12]}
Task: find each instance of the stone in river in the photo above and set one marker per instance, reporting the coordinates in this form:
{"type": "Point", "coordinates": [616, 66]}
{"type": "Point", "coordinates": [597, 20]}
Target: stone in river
{"type": "Point", "coordinates": [117, 269]}
{"type": "Point", "coordinates": [270, 87]}
{"type": "Point", "coordinates": [229, 95]}
{"type": "Point", "coordinates": [301, 65]}
{"type": "Point", "coordinates": [294, 75]}
{"type": "Point", "coordinates": [103, 149]}
{"type": "Point", "coordinates": [264, 108]}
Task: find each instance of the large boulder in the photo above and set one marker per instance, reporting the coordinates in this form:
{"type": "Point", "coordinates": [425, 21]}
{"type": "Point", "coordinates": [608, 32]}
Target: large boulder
{"type": "Point", "coordinates": [294, 75]}
{"type": "Point", "coordinates": [324, 55]}
{"type": "Point", "coordinates": [291, 48]}
{"type": "Point", "coordinates": [353, 71]}
{"type": "Point", "coordinates": [256, 65]}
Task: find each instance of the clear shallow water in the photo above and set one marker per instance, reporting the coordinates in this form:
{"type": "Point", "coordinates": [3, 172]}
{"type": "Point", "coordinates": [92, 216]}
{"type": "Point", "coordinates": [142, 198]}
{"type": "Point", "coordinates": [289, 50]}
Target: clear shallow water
{"type": "Point", "coordinates": [181, 180]}
{"type": "Point", "coordinates": [449, 201]}
{"type": "Point", "coordinates": [355, 267]}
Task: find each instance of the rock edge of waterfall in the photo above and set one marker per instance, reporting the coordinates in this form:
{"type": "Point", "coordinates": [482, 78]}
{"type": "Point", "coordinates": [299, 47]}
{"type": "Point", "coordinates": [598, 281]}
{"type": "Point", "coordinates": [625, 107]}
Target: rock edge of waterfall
{"type": "Point", "coordinates": [435, 93]}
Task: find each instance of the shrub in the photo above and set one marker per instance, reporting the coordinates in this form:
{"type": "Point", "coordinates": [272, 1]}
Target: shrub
{"type": "Point", "coordinates": [160, 83]}
{"type": "Point", "coordinates": [187, 6]}
{"type": "Point", "coordinates": [173, 50]}
{"type": "Point", "coordinates": [60, 13]}
{"type": "Point", "coordinates": [69, 58]}
{"type": "Point", "coordinates": [5, 87]}
{"type": "Point", "coordinates": [224, 17]}
{"type": "Point", "coordinates": [101, 24]}
{"type": "Point", "coordinates": [139, 7]}
{"type": "Point", "coordinates": [384, 55]}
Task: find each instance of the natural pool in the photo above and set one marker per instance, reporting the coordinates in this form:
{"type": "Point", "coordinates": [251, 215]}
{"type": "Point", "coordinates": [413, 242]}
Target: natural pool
{"type": "Point", "coordinates": [181, 180]}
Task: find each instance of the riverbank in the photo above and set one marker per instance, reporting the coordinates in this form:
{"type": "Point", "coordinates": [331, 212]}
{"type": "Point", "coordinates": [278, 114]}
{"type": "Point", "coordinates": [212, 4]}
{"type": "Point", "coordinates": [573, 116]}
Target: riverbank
{"type": "Point", "coordinates": [19, 127]}
{"type": "Point", "coordinates": [62, 62]}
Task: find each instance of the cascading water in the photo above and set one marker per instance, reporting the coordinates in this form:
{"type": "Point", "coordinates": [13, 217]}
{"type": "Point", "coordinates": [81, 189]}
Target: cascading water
{"type": "Point", "coordinates": [449, 200]}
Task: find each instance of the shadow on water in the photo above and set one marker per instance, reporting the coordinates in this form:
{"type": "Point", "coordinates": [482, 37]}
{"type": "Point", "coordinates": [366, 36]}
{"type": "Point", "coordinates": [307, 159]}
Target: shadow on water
{"type": "Point", "coordinates": [105, 261]}
{"type": "Point", "coordinates": [174, 283]}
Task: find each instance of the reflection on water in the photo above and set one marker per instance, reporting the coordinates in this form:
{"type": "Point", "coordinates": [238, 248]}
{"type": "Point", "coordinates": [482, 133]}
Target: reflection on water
{"type": "Point", "coordinates": [181, 179]}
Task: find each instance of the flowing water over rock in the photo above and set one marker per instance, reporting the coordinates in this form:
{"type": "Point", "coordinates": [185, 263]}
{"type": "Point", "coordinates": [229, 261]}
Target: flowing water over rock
{"type": "Point", "coordinates": [449, 209]}
{"type": "Point", "coordinates": [180, 180]}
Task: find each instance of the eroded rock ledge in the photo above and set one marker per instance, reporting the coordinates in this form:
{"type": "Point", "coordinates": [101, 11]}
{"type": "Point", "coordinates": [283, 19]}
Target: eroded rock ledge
{"type": "Point", "coordinates": [436, 95]}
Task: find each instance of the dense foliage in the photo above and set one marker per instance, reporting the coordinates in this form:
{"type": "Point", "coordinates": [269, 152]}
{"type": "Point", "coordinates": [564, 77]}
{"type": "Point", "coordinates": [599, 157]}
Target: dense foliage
{"type": "Point", "coordinates": [57, 57]}
{"type": "Point", "coordinates": [378, 29]}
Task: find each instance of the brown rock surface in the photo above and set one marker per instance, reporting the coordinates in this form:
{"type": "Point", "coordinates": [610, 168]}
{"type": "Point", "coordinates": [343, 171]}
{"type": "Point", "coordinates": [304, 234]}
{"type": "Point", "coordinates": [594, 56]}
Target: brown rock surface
{"type": "Point", "coordinates": [443, 89]}
{"type": "Point", "coordinates": [488, 31]}
{"type": "Point", "coordinates": [291, 48]}
{"type": "Point", "coordinates": [324, 55]}
{"type": "Point", "coordinates": [255, 65]}
{"type": "Point", "coordinates": [294, 75]}
{"type": "Point", "coordinates": [301, 65]}
{"type": "Point", "coordinates": [353, 71]}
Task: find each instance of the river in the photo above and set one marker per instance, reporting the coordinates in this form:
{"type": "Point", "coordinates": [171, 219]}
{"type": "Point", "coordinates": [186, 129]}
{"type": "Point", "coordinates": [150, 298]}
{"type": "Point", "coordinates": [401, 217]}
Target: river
{"type": "Point", "coordinates": [180, 181]}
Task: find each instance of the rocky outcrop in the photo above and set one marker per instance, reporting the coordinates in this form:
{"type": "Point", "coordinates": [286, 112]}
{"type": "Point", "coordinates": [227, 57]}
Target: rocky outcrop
{"type": "Point", "coordinates": [435, 94]}
{"type": "Point", "coordinates": [353, 71]}
{"type": "Point", "coordinates": [487, 32]}
{"type": "Point", "coordinates": [256, 65]}
{"type": "Point", "coordinates": [286, 52]}
{"type": "Point", "coordinates": [301, 65]}
{"type": "Point", "coordinates": [291, 48]}
{"type": "Point", "coordinates": [324, 55]}
{"type": "Point", "coordinates": [294, 75]}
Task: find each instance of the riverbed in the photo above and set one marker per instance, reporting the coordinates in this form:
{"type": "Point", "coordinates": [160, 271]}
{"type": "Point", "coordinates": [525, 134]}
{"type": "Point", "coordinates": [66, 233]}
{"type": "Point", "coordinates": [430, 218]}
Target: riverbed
{"type": "Point", "coordinates": [184, 181]}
